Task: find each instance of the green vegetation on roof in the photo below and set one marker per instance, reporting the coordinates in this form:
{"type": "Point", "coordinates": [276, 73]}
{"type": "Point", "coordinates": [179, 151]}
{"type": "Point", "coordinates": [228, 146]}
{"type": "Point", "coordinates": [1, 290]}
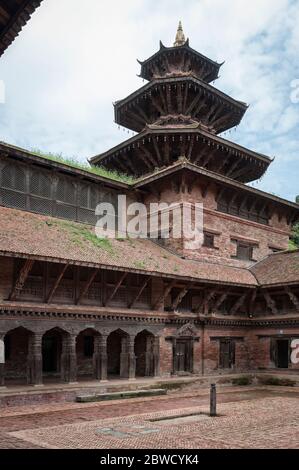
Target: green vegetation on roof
{"type": "Point", "coordinates": [80, 234]}
{"type": "Point", "coordinates": [74, 163]}
{"type": "Point", "coordinates": [294, 241]}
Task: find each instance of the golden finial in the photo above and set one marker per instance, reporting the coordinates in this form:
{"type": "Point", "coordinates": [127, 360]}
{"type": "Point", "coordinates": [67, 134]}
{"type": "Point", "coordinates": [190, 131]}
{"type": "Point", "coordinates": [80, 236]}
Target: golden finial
{"type": "Point", "coordinates": [180, 37]}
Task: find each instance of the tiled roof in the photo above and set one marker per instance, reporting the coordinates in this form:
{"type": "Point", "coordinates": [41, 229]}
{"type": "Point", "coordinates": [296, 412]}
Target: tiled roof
{"type": "Point", "coordinates": [13, 17]}
{"type": "Point", "coordinates": [278, 268]}
{"type": "Point", "coordinates": [26, 234]}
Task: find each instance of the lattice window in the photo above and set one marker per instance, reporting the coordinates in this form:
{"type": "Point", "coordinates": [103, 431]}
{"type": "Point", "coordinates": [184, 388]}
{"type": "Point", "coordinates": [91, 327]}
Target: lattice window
{"type": "Point", "coordinates": [40, 184]}
{"type": "Point", "coordinates": [66, 191]}
{"type": "Point", "coordinates": [13, 199]}
{"type": "Point", "coordinates": [42, 206]}
{"type": "Point", "coordinates": [84, 197]}
{"type": "Point", "coordinates": [13, 177]}
{"type": "Point", "coordinates": [66, 212]}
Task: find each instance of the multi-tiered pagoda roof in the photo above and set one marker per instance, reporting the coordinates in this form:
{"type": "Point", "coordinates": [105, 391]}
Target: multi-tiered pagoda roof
{"type": "Point", "coordinates": [180, 114]}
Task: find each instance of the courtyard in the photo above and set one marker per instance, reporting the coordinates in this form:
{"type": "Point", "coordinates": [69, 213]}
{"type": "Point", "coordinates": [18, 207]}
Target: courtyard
{"type": "Point", "coordinates": [247, 417]}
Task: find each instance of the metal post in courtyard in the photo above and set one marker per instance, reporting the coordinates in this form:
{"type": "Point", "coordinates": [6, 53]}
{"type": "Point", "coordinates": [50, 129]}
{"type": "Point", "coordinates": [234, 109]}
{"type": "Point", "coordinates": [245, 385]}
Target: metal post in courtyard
{"type": "Point", "coordinates": [213, 401]}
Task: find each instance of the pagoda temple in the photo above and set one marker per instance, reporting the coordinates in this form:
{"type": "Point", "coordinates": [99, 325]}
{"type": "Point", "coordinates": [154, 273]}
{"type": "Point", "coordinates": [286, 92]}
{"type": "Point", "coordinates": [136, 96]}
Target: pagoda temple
{"type": "Point", "coordinates": [76, 307]}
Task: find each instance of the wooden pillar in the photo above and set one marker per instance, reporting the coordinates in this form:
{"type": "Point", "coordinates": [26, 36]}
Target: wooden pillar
{"type": "Point", "coordinates": [174, 357]}
{"type": "Point", "coordinates": [152, 356]}
{"type": "Point", "coordinates": [2, 360]}
{"type": "Point", "coordinates": [128, 358]}
{"type": "Point", "coordinates": [69, 359]}
{"type": "Point", "coordinates": [100, 357]}
{"type": "Point", "coordinates": [131, 358]}
{"type": "Point", "coordinates": [35, 360]}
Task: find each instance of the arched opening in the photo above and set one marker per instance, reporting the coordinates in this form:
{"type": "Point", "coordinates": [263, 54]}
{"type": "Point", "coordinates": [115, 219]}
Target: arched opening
{"type": "Point", "coordinates": [146, 354]}
{"type": "Point", "coordinates": [52, 346]}
{"type": "Point", "coordinates": [16, 348]}
{"type": "Point", "coordinates": [117, 351]}
{"type": "Point", "coordinates": [86, 350]}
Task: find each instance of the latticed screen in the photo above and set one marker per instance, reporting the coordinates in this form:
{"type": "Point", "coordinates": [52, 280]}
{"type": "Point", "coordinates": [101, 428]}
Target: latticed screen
{"type": "Point", "coordinates": [41, 191]}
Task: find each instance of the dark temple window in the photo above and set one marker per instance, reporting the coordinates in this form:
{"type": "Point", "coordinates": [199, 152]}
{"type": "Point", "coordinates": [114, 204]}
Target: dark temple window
{"type": "Point", "coordinates": [88, 346]}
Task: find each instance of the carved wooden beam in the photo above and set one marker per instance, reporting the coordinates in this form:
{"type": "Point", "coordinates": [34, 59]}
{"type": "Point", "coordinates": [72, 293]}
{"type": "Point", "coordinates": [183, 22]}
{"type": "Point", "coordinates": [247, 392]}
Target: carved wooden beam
{"type": "Point", "coordinates": [137, 117]}
{"type": "Point", "coordinates": [221, 121]}
{"type": "Point", "coordinates": [293, 298]}
{"type": "Point", "coordinates": [137, 296]}
{"type": "Point", "coordinates": [21, 279]}
{"type": "Point", "coordinates": [193, 104]}
{"type": "Point", "coordinates": [56, 283]}
{"type": "Point", "coordinates": [240, 171]}
{"type": "Point", "coordinates": [211, 112]}
{"type": "Point", "coordinates": [168, 99]}
{"type": "Point", "coordinates": [87, 286]}
{"type": "Point", "coordinates": [142, 113]}
{"type": "Point", "coordinates": [180, 99]}
{"type": "Point", "coordinates": [270, 303]}
{"type": "Point", "coordinates": [163, 99]}
{"type": "Point", "coordinates": [208, 158]}
{"type": "Point", "coordinates": [158, 106]}
{"type": "Point", "coordinates": [114, 292]}
{"type": "Point", "coordinates": [238, 304]}
{"type": "Point", "coordinates": [149, 156]}
{"type": "Point", "coordinates": [185, 99]}
{"type": "Point", "coordinates": [204, 302]}
{"type": "Point", "coordinates": [191, 145]}
{"type": "Point", "coordinates": [202, 154]}
{"type": "Point", "coordinates": [167, 151]}
{"type": "Point", "coordinates": [223, 163]}
{"type": "Point", "coordinates": [220, 300]}
{"type": "Point", "coordinates": [166, 292]}
{"type": "Point", "coordinates": [144, 159]}
{"type": "Point", "coordinates": [232, 168]}
{"type": "Point", "coordinates": [179, 298]}
{"type": "Point", "coordinates": [251, 304]}
{"type": "Point", "coordinates": [122, 166]}
{"type": "Point", "coordinates": [220, 194]}
{"type": "Point", "coordinates": [157, 150]}
{"type": "Point", "coordinates": [204, 189]}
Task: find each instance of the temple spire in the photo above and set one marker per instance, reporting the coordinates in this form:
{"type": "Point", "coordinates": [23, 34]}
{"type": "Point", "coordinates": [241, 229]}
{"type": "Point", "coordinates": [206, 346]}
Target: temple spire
{"type": "Point", "coordinates": [180, 37]}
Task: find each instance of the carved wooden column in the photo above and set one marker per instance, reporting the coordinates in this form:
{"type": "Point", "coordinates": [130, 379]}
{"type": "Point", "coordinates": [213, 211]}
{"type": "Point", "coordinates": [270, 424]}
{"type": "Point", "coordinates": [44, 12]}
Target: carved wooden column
{"type": "Point", "coordinates": [131, 358]}
{"type": "Point", "coordinates": [2, 360]}
{"type": "Point", "coordinates": [157, 356]}
{"type": "Point", "coordinates": [128, 358]}
{"type": "Point", "coordinates": [100, 357]}
{"type": "Point", "coordinates": [35, 360]}
{"type": "Point", "coordinates": [69, 359]}
{"type": "Point", "coordinates": [152, 357]}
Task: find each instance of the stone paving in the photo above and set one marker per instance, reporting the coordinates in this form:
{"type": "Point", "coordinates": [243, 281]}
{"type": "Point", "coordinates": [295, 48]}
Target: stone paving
{"type": "Point", "coordinates": [248, 418]}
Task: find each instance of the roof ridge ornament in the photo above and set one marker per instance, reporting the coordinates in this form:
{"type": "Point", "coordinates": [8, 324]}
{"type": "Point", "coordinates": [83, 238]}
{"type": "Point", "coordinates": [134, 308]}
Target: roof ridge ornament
{"type": "Point", "coordinates": [180, 39]}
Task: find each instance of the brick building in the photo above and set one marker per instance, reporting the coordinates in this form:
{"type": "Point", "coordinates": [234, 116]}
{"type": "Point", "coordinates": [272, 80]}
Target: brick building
{"type": "Point", "coordinates": [73, 306]}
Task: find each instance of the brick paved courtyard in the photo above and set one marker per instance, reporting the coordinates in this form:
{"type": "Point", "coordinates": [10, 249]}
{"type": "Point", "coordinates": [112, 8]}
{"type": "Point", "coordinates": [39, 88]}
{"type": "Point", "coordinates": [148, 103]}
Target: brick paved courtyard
{"type": "Point", "coordinates": [248, 418]}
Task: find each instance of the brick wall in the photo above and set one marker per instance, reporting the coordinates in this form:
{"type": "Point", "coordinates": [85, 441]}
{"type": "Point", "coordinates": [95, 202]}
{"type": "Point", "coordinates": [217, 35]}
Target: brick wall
{"type": "Point", "coordinates": [226, 226]}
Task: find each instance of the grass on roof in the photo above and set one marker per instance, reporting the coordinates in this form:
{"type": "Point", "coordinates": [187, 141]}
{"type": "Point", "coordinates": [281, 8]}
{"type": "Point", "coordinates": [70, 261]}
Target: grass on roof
{"type": "Point", "coordinates": [74, 163]}
{"type": "Point", "coordinates": [80, 234]}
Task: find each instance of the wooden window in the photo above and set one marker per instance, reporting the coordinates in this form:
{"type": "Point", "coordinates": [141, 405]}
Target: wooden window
{"type": "Point", "coordinates": [244, 251]}
{"type": "Point", "coordinates": [209, 240]}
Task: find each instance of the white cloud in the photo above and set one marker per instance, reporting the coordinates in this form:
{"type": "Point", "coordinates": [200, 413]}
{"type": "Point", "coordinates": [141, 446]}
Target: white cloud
{"type": "Point", "coordinates": [74, 59]}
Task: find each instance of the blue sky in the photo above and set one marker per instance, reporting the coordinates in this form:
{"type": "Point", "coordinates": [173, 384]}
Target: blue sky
{"type": "Point", "coordinates": [73, 60]}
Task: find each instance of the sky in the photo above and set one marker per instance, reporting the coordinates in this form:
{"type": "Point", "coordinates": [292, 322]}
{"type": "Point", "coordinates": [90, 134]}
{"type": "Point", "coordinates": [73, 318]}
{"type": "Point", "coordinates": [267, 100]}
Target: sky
{"type": "Point", "coordinates": [74, 59]}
